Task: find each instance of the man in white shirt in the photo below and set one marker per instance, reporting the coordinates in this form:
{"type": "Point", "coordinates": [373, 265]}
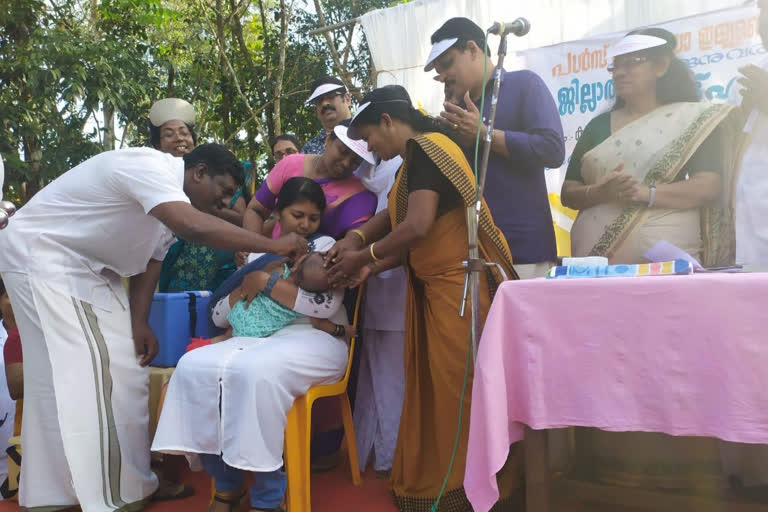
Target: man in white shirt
{"type": "Point", "coordinates": [85, 438]}
{"type": "Point", "coordinates": [751, 195]}
{"type": "Point", "coordinates": [747, 464]}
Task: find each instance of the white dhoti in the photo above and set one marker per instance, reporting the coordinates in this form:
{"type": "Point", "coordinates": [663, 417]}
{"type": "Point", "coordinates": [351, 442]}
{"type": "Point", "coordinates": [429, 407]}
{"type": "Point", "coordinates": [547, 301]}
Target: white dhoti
{"type": "Point", "coordinates": [85, 438]}
{"type": "Point", "coordinates": [232, 398]}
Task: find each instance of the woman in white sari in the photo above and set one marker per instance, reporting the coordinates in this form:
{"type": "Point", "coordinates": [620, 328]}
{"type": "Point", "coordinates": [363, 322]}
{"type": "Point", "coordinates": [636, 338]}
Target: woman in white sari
{"type": "Point", "coordinates": [653, 168]}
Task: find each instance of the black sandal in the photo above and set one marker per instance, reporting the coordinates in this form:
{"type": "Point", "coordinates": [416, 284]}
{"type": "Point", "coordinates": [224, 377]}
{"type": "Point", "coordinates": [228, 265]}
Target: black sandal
{"type": "Point", "coordinates": [230, 498]}
{"type": "Point", "coordinates": [185, 492]}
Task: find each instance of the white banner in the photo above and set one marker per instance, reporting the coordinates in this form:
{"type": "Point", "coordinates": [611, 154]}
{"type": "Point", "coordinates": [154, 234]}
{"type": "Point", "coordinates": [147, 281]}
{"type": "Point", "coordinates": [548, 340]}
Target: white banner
{"type": "Point", "coordinates": [713, 45]}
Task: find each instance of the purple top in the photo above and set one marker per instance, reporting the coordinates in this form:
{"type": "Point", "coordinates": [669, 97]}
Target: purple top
{"type": "Point", "coordinates": [515, 189]}
{"type": "Point", "coordinates": [350, 204]}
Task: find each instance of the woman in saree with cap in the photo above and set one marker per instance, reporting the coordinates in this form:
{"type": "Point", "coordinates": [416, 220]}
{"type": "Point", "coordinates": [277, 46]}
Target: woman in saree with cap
{"type": "Point", "coordinates": [424, 229]}
{"type": "Point", "coordinates": [653, 168]}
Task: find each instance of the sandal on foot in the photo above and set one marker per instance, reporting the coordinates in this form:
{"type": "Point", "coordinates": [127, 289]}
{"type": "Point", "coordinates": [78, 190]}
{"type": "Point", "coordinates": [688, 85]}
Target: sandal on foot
{"type": "Point", "coordinates": [234, 499]}
{"type": "Point", "coordinates": [165, 492]}
{"type": "Point", "coordinates": [325, 463]}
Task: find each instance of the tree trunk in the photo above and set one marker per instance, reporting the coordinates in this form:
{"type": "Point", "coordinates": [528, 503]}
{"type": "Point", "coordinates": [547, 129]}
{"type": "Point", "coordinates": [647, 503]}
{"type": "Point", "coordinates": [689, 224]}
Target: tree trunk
{"type": "Point", "coordinates": [108, 135]}
{"type": "Point", "coordinates": [344, 74]}
{"type": "Point", "coordinates": [277, 126]}
{"type": "Point", "coordinates": [170, 91]}
{"type": "Point", "coordinates": [108, 140]}
{"type": "Point", "coordinates": [33, 155]}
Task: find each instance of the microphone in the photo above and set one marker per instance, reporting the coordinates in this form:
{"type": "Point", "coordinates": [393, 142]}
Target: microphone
{"type": "Point", "coordinates": [519, 27]}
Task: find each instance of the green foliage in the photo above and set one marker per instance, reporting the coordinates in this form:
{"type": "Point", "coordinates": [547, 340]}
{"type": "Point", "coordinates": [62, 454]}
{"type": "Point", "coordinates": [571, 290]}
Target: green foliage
{"type": "Point", "coordinates": [63, 62]}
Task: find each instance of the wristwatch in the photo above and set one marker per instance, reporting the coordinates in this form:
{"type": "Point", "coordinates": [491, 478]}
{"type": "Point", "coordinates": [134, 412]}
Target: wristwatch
{"type": "Point", "coordinates": [651, 195]}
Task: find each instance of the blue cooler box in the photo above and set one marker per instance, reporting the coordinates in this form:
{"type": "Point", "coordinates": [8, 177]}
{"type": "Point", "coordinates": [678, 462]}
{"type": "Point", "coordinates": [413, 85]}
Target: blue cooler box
{"type": "Point", "coordinates": [177, 317]}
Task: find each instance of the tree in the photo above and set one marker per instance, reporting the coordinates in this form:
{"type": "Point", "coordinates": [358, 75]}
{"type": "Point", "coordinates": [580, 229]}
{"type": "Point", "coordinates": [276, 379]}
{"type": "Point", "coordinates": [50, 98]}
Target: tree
{"type": "Point", "coordinates": [58, 72]}
{"type": "Point", "coordinates": [76, 74]}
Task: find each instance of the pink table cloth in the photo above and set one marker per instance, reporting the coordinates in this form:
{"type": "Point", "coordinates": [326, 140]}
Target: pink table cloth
{"type": "Point", "coordinates": [683, 355]}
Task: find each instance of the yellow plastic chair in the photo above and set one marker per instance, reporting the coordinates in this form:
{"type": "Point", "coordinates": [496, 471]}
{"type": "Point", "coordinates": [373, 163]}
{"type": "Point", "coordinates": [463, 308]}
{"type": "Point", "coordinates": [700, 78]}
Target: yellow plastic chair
{"type": "Point", "coordinates": [298, 431]}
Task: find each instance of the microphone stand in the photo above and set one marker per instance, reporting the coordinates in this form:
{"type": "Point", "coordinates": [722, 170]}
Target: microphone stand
{"type": "Point", "coordinates": [474, 265]}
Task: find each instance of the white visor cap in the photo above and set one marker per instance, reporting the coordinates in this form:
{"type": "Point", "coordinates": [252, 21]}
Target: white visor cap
{"type": "Point", "coordinates": [358, 146]}
{"type": "Point", "coordinates": [323, 89]}
{"type": "Point", "coordinates": [635, 43]}
{"type": "Point", "coordinates": [438, 49]}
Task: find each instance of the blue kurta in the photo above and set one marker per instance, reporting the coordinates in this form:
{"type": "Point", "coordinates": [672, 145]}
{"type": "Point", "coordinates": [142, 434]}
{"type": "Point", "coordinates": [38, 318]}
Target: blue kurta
{"type": "Point", "coordinates": [515, 189]}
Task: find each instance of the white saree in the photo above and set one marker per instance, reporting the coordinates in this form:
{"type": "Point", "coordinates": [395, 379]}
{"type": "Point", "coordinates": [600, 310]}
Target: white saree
{"type": "Point", "coordinates": [653, 150]}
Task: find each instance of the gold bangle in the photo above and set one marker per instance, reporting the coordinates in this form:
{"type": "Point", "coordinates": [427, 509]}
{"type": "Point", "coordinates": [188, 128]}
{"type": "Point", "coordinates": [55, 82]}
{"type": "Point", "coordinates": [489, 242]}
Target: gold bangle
{"type": "Point", "coordinates": [359, 233]}
{"type": "Point", "coordinates": [373, 255]}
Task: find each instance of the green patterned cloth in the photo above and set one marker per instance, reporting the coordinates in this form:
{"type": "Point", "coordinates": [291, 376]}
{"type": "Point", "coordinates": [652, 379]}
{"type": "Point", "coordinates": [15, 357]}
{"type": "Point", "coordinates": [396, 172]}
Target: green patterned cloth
{"type": "Point", "coordinates": [192, 267]}
{"type": "Point", "coordinates": [264, 317]}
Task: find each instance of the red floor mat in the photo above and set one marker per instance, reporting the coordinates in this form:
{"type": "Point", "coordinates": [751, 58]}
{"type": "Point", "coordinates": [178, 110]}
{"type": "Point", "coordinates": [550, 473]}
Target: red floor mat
{"type": "Point", "coordinates": [331, 492]}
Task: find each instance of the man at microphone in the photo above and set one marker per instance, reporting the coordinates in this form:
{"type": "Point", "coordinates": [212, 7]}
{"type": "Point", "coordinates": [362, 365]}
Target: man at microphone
{"type": "Point", "coordinates": [527, 136]}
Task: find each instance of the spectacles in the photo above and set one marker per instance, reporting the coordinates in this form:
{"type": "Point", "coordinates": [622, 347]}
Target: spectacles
{"type": "Point", "coordinates": [330, 96]}
{"type": "Point", "coordinates": [288, 151]}
{"type": "Point", "coordinates": [627, 63]}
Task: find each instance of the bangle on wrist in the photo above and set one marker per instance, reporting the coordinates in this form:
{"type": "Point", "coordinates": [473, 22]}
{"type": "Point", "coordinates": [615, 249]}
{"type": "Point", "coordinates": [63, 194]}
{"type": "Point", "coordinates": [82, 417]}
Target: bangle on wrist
{"type": "Point", "coordinates": [339, 331]}
{"type": "Point", "coordinates": [359, 233]}
{"type": "Point", "coordinates": [373, 254]}
{"type": "Point", "coordinates": [586, 192]}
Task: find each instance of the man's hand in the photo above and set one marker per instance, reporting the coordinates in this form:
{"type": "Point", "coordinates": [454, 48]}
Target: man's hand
{"type": "Point", "coordinates": [755, 92]}
{"type": "Point", "coordinates": [462, 123]}
{"type": "Point", "coordinates": [291, 245]}
{"type": "Point", "coordinates": [145, 342]}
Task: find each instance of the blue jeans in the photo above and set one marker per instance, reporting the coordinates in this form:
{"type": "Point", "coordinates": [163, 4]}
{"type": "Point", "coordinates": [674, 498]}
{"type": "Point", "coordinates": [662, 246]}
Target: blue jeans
{"type": "Point", "coordinates": [268, 488]}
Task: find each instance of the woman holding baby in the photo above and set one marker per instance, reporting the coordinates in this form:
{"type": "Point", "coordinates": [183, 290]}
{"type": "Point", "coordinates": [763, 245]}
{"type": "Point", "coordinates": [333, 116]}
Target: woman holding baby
{"type": "Point", "coordinates": [228, 401]}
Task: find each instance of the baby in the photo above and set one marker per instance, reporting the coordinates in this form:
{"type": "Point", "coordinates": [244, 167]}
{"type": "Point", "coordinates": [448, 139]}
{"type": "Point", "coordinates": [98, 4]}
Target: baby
{"type": "Point", "coordinates": [265, 316]}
